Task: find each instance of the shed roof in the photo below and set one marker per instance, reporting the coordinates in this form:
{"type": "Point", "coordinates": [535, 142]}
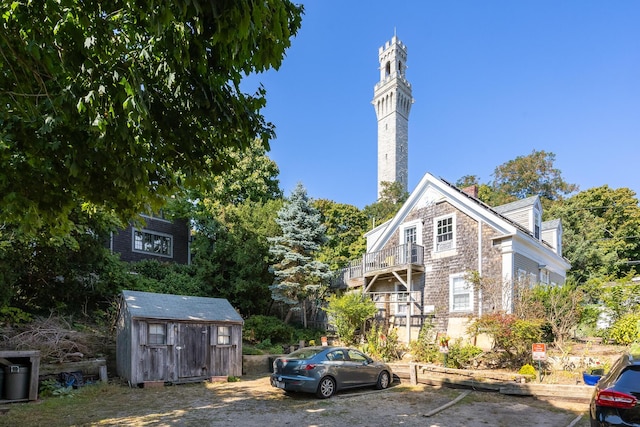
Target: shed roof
{"type": "Point", "coordinates": [179, 307]}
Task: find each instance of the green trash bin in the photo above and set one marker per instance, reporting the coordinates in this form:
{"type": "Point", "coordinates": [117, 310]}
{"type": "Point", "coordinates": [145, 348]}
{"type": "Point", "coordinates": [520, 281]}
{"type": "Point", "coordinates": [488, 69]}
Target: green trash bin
{"type": "Point", "coordinates": [16, 382]}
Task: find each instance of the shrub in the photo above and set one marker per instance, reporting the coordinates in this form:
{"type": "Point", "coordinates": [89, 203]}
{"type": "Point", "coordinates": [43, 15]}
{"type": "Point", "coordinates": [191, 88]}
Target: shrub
{"type": "Point", "coordinates": [307, 335]}
{"type": "Point", "coordinates": [260, 328]}
{"type": "Point", "coordinates": [348, 312]}
{"type": "Point", "coordinates": [381, 345]}
{"type": "Point", "coordinates": [626, 330]}
{"type": "Point", "coordinates": [424, 348]}
{"type": "Point", "coordinates": [510, 334]}
{"type": "Point", "coordinates": [527, 370]}
{"type": "Point", "coordinates": [460, 355]}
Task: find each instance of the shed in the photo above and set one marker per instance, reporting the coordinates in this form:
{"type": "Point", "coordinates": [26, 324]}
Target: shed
{"type": "Point", "coordinates": [177, 338]}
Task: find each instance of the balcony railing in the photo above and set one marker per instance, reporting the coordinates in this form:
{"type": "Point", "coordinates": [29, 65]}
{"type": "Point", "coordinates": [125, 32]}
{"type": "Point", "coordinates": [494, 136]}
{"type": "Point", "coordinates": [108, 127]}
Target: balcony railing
{"type": "Point", "coordinates": [387, 258]}
{"type": "Point", "coordinates": [398, 305]}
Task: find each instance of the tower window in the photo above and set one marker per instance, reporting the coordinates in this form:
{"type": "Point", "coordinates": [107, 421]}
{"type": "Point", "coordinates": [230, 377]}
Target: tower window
{"type": "Point", "coordinates": [387, 69]}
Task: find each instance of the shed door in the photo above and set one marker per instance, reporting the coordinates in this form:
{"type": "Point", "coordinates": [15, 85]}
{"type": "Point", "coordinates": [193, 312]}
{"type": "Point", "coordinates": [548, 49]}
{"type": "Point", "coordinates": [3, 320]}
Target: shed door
{"type": "Point", "coordinates": [193, 341]}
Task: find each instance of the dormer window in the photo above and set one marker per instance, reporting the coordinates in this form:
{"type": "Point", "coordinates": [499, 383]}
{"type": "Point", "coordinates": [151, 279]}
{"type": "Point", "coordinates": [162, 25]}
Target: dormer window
{"type": "Point", "coordinates": [536, 224]}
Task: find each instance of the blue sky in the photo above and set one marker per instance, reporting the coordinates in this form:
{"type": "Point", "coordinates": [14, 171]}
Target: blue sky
{"type": "Point", "coordinates": [491, 79]}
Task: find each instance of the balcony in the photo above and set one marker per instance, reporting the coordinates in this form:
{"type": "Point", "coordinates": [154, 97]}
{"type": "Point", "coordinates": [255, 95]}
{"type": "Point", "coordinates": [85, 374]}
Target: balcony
{"type": "Point", "coordinates": [388, 260]}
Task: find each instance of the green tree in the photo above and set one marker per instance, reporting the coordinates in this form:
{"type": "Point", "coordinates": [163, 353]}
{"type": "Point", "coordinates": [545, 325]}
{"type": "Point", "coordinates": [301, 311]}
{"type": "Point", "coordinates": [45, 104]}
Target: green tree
{"type": "Point", "coordinates": [231, 252]}
{"type": "Point", "coordinates": [253, 177]}
{"type": "Point", "coordinates": [73, 275]}
{"type": "Point", "coordinates": [231, 223]}
{"type": "Point", "coordinates": [121, 103]}
{"type": "Point", "coordinates": [392, 196]}
{"type": "Point", "coordinates": [486, 193]}
{"type": "Point", "coordinates": [299, 277]}
{"type": "Point", "coordinates": [601, 232]}
{"type": "Point", "coordinates": [166, 278]}
{"type": "Point", "coordinates": [619, 297]}
{"type": "Point", "coordinates": [532, 175]}
{"type": "Point", "coordinates": [346, 225]}
{"type": "Point", "coordinates": [348, 313]}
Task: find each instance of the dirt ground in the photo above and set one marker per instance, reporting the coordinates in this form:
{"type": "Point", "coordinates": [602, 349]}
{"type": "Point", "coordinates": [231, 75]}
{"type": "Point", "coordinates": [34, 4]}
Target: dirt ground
{"type": "Point", "coordinates": [254, 402]}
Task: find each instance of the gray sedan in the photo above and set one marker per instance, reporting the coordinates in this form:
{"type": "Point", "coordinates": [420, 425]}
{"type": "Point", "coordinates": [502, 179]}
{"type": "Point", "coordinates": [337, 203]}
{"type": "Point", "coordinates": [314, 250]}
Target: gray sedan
{"type": "Point", "coordinates": [325, 370]}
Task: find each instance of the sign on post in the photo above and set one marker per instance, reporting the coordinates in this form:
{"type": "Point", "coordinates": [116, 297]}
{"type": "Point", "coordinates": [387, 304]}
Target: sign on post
{"type": "Point", "coordinates": [539, 351]}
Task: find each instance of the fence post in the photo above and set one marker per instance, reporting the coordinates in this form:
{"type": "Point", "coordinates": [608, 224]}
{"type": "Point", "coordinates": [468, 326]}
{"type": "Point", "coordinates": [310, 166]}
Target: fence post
{"type": "Point", "coordinates": [413, 373]}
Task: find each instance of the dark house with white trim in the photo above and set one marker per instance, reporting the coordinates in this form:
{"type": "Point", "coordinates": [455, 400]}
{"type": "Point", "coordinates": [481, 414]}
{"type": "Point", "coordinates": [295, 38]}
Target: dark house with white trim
{"type": "Point", "coordinates": [160, 239]}
{"type": "Point", "coordinates": [177, 338]}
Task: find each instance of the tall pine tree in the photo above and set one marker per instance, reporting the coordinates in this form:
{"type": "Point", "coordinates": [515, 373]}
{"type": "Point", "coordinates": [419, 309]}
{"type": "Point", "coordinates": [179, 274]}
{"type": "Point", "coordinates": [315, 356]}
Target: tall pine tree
{"type": "Point", "coordinates": [300, 280]}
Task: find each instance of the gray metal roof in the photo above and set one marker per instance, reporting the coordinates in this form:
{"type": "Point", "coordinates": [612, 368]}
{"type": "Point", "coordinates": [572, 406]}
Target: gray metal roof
{"type": "Point", "coordinates": [179, 307]}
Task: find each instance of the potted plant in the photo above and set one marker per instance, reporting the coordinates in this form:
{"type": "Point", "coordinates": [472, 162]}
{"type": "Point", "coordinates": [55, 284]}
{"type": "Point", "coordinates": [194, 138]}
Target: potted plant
{"type": "Point", "coordinates": [592, 374]}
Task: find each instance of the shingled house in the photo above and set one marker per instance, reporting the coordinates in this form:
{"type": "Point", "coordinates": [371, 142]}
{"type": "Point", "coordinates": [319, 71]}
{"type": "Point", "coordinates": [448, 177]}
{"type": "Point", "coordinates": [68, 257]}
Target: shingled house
{"type": "Point", "coordinates": [417, 265]}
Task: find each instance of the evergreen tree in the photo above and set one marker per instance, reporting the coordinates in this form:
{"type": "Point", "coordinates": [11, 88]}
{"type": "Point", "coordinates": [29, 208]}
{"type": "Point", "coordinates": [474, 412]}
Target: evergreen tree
{"type": "Point", "coordinates": [299, 278]}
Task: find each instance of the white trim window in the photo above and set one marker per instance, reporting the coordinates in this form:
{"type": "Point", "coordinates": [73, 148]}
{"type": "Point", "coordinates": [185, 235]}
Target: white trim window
{"type": "Point", "coordinates": [157, 334]}
{"type": "Point", "coordinates": [544, 276]}
{"type": "Point", "coordinates": [224, 335]}
{"type": "Point", "coordinates": [401, 298]}
{"type": "Point", "coordinates": [460, 294]}
{"type": "Point", "coordinates": [411, 232]}
{"type": "Point", "coordinates": [444, 233]}
{"type": "Point", "coordinates": [152, 242]}
{"type": "Point", "coordinates": [411, 235]}
{"type": "Point", "coordinates": [522, 277]}
{"type": "Point", "coordinates": [380, 302]}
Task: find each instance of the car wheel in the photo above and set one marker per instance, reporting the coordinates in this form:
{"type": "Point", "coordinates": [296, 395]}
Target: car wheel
{"type": "Point", "coordinates": [383, 380]}
{"type": "Point", "coordinates": [326, 388]}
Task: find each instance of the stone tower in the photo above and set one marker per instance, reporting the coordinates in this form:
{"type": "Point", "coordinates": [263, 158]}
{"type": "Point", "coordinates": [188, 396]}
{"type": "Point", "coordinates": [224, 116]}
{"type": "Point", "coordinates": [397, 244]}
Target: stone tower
{"type": "Point", "coordinates": [392, 101]}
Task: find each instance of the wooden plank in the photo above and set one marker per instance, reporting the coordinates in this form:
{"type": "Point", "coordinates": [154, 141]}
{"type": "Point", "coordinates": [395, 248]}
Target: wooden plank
{"type": "Point", "coordinates": [91, 367]}
{"type": "Point", "coordinates": [103, 373]}
{"type": "Point", "coordinates": [579, 392]}
{"type": "Point", "coordinates": [482, 374]}
{"type": "Point", "coordinates": [439, 376]}
{"type": "Point", "coordinates": [445, 381]}
{"type": "Point", "coordinates": [34, 380]}
{"type": "Point", "coordinates": [19, 353]}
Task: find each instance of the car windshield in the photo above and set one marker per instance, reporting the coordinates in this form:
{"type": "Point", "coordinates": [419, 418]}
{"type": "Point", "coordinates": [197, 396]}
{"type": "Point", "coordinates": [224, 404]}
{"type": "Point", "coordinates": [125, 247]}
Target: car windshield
{"type": "Point", "coordinates": [304, 353]}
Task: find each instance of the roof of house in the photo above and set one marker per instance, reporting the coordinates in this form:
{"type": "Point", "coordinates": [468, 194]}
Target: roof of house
{"type": "Point", "coordinates": [551, 224]}
{"type": "Point", "coordinates": [179, 307]}
{"type": "Point", "coordinates": [434, 190]}
{"type": "Point", "coordinates": [518, 204]}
